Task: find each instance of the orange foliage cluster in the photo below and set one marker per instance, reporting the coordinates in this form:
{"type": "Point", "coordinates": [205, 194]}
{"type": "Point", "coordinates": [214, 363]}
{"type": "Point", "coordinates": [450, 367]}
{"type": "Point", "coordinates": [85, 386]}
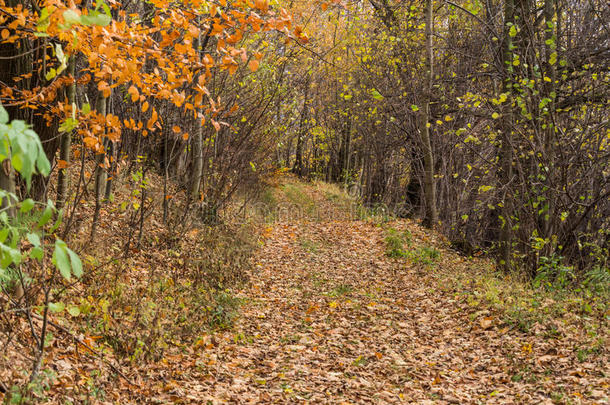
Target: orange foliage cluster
{"type": "Point", "coordinates": [154, 59]}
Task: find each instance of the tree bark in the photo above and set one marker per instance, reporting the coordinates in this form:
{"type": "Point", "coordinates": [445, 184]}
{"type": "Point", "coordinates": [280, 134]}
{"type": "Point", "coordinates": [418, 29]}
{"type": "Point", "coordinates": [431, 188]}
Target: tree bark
{"type": "Point", "coordinates": [298, 158]}
{"type": "Point", "coordinates": [506, 151]}
{"type": "Point", "coordinates": [100, 171]}
{"type": "Point", "coordinates": [65, 141]}
{"type": "Point", "coordinates": [197, 142]}
{"type": "Point", "coordinates": [431, 215]}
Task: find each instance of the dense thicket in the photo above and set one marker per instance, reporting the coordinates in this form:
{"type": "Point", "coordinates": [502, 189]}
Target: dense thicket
{"type": "Point", "coordinates": [518, 120]}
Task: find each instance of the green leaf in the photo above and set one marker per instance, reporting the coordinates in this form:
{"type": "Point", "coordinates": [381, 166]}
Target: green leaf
{"type": "Point", "coordinates": [77, 265]}
{"type": "Point", "coordinates": [73, 310]}
{"type": "Point", "coordinates": [46, 215]}
{"type": "Point", "coordinates": [56, 307]}
{"type": "Point", "coordinates": [33, 238]}
{"type": "Point", "coordinates": [68, 125]}
{"type": "Point", "coordinates": [43, 21]}
{"type": "Point", "coordinates": [58, 221]}
{"type": "Point", "coordinates": [376, 95]}
{"type": "Point", "coordinates": [61, 259]}
{"type": "Point", "coordinates": [42, 163]}
{"type": "Point", "coordinates": [3, 234]}
{"type": "Point", "coordinates": [27, 205]}
{"type": "Point", "coordinates": [61, 57]}
{"type": "Point", "coordinates": [96, 18]}
{"type": "Point", "coordinates": [3, 115]}
{"type": "Point", "coordinates": [71, 17]}
{"type": "Point", "coordinates": [414, 107]}
{"type": "Point", "coordinates": [37, 253]}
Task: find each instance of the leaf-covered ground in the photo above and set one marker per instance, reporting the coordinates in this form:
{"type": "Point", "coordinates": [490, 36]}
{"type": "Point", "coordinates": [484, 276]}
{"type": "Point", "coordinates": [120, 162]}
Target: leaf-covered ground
{"type": "Point", "coordinates": [343, 311]}
{"type": "Point", "coordinates": [328, 317]}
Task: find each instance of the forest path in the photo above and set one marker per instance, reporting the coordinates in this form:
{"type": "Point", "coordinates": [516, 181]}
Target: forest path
{"type": "Point", "coordinates": [329, 318]}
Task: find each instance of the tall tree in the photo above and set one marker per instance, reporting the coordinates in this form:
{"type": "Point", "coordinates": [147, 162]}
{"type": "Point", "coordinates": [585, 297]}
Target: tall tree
{"type": "Point", "coordinates": [431, 215]}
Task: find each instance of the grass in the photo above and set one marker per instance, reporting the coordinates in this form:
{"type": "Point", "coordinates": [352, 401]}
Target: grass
{"type": "Point", "coordinates": [425, 255]}
{"type": "Point", "coordinates": [309, 245]}
{"type": "Point", "coordinates": [337, 195]}
{"type": "Point", "coordinates": [400, 245]}
{"type": "Point", "coordinates": [296, 194]}
{"type": "Point", "coordinates": [395, 243]}
{"type": "Point", "coordinates": [341, 289]}
{"type": "Point", "coordinates": [224, 310]}
{"type": "Point", "coordinates": [518, 304]}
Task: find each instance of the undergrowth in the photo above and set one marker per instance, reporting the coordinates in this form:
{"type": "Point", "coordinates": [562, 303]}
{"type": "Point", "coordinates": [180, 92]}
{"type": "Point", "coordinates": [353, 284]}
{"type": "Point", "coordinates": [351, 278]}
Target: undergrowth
{"type": "Point", "coordinates": [399, 244]}
{"type": "Point", "coordinates": [147, 304]}
{"type": "Point", "coordinates": [528, 306]}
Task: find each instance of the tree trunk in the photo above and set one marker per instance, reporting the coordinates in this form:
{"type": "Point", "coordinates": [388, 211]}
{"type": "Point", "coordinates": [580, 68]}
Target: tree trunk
{"type": "Point", "coordinates": [65, 141]}
{"type": "Point", "coordinates": [431, 215]}
{"type": "Point", "coordinates": [506, 151]}
{"type": "Point", "coordinates": [549, 131]}
{"type": "Point", "coordinates": [100, 171]}
{"type": "Point", "coordinates": [298, 158]}
{"type": "Point", "coordinates": [197, 142]}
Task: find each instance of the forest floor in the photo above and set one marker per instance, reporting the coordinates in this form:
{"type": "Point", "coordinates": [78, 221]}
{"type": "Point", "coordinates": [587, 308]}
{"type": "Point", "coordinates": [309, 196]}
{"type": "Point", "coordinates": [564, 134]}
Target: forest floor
{"type": "Point", "coordinates": [339, 307]}
{"type": "Point", "coordinates": [329, 317]}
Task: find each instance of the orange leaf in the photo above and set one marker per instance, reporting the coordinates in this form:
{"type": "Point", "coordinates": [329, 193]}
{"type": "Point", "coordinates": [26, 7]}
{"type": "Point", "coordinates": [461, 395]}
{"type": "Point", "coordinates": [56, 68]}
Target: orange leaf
{"type": "Point", "coordinates": [253, 65]}
{"type": "Point", "coordinates": [262, 5]}
{"type": "Point", "coordinates": [145, 106]}
{"type": "Point", "coordinates": [176, 129]}
{"type": "Point", "coordinates": [90, 142]}
{"type": "Point", "coordinates": [135, 94]}
{"type": "Point", "coordinates": [62, 164]}
{"type": "Point", "coordinates": [486, 322]}
{"type": "Point", "coordinates": [5, 33]}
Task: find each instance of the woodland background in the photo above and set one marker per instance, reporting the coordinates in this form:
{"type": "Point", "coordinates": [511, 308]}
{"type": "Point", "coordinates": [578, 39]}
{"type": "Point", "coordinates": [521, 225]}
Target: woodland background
{"type": "Point", "coordinates": [163, 126]}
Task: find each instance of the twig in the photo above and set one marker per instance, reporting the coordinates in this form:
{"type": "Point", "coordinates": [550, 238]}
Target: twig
{"type": "Point", "coordinates": [85, 345]}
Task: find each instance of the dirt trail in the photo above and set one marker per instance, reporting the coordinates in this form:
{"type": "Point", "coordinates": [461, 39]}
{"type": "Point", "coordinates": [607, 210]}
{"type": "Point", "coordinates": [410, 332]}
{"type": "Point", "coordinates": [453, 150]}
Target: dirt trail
{"type": "Point", "coordinates": [328, 318]}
